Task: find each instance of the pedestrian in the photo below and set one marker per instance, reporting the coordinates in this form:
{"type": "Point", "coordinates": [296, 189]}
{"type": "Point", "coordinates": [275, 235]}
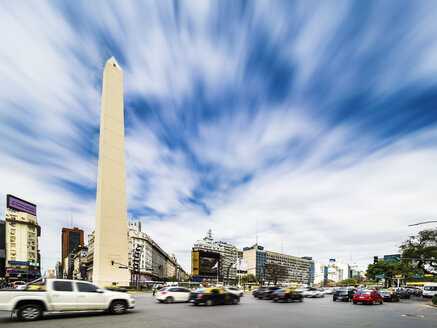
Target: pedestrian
{"type": "Point", "coordinates": [154, 290]}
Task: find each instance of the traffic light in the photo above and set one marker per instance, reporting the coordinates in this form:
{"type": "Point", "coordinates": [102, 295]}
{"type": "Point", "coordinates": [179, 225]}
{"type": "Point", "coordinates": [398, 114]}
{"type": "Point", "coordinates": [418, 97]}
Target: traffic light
{"type": "Point", "coordinates": [112, 262]}
{"type": "Point", "coordinates": [375, 260]}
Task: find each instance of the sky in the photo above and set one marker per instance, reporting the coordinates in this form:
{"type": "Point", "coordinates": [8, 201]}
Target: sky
{"type": "Point", "coordinates": [314, 120]}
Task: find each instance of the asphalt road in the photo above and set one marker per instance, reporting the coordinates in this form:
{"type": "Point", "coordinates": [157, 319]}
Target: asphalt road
{"type": "Point", "coordinates": [251, 313]}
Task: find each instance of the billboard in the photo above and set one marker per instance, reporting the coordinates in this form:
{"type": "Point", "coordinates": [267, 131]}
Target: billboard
{"type": "Point", "coordinates": [83, 257]}
{"type": "Point", "coordinates": [20, 205]}
{"type": "Point", "coordinates": [242, 265]}
{"type": "Point", "coordinates": [194, 263]}
{"type": "Point", "coordinates": [209, 263]}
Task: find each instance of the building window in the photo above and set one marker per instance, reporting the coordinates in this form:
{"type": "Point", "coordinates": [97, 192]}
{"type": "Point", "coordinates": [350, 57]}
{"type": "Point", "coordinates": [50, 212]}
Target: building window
{"type": "Point", "coordinates": [13, 245]}
{"type": "Point", "coordinates": [12, 231]}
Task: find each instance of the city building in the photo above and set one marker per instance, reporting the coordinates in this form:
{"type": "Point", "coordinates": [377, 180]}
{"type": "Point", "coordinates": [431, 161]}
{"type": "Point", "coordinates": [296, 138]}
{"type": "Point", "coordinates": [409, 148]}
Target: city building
{"type": "Point", "coordinates": [110, 236]}
{"type": "Point", "coordinates": [90, 258]}
{"type": "Point", "coordinates": [319, 272]}
{"type": "Point", "coordinates": [297, 269]}
{"type": "Point", "coordinates": [21, 233]}
{"type": "Point", "coordinates": [58, 270]}
{"type": "Point", "coordinates": [71, 238]}
{"type": "Point", "coordinates": [79, 258]}
{"type": "Point", "coordinates": [2, 249]}
{"type": "Point", "coordinates": [338, 271]}
{"type": "Point", "coordinates": [213, 260]}
{"type": "Point", "coordinates": [154, 262]}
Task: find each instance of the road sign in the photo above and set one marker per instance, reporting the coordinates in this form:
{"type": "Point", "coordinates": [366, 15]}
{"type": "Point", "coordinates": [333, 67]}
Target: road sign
{"type": "Point", "coordinates": [429, 275]}
{"type": "Point", "coordinates": [418, 276]}
{"type": "Point", "coordinates": [398, 276]}
{"type": "Point", "coordinates": [394, 258]}
{"type": "Point", "coordinates": [379, 276]}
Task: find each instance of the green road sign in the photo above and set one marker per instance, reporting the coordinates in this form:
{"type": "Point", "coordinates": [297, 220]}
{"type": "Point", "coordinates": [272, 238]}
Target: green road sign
{"type": "Point", "coordinates": [395, 258]}
{"type": "Point", "coordinates": [379, 276]}
{"type": "Point", "coordinates": [418, 276]}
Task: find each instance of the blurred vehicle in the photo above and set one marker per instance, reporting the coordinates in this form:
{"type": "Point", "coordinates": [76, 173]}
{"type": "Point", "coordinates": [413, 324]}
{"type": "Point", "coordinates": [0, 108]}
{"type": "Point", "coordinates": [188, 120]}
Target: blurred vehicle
{"type": "Point", "coordinates": [115, 288]}
{"type": "Point", "coordinates": [19, 285]}
{"type": "Point", "coordinates": [71, 295]}
{"type": "Point", "coordinates": [287, 295]}
{"type": "Point", "coordinates": [327, 291]}
{"type": "Point", "coordinates": [402, 293]}
{"type": "Point", "coordinates": [267, 293]}
{"type": "Point", "coordinates": [235, 290]}
{"type": "Point", "coordinates": [429, 290]}
{"type": "Point", "coordinates": [173, 294]}
{"type": "Point", "coordinates": [389, 295]}
{"type": "Point", "coordinates": [258, 290]}
{"type": "Point", "coordinates": [213, 296]}
{"type": "Point", "coordinates": [343, 295]}
{"type": "Point", "coordinates": [314, 292]}
{"type": "Point", "coordinates": [367, 296]}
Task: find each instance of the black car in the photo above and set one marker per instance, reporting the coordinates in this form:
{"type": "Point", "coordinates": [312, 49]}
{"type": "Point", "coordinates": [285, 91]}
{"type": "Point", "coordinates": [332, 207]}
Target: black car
{"type": "Point", "coordinates": [389, 295]}
{"type": "Point", "coordinates": [267, 293]}
{"type": "Point", "coordinates": [402, 293]}
{"type": "Point", "coordinates": [212, 296]}
{"type": "Point", "coordinates": [258, 290]}
{"type": "Point", "coordinates": [287, 295]}
{"type": "Point", "coordinates": [343, 295]}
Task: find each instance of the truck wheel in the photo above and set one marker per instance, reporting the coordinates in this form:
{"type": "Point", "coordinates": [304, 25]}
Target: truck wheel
{"type": "Point", "coordinates": [118, 307]}
{"type": "Point", "coordinates": [29, 312]}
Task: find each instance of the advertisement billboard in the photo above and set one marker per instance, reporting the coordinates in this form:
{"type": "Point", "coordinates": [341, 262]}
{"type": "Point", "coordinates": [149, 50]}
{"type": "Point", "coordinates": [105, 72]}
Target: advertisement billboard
{"type": "Point", "coordinates": [20, 205]}
{"type": "Point", "coordinates": [83, 256]}
{"type": "Point", "coordinates": [242, 265]}
{"type": "Point", "coordinates": [194, 263]}
{"type": "Point", "coordinates": [209, 263]}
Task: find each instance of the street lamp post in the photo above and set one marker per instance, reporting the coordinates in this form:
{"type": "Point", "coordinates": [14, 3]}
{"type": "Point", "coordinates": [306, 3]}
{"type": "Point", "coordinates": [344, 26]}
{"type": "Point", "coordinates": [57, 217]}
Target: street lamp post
{"type": "Point", "coordinates": [425, 222]}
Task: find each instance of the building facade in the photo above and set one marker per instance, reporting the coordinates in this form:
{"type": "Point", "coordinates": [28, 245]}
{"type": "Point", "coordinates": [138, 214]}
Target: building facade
{"type": "Point", "coordinates": [338, 271]}
{"type": "Point", "coordinates": [2, 249]}
{"type": "Point", "coordinates": [213, 260]}
{"type": "Point", "coordinates": [319, 272]}
{"type": "Point", "coordinates": [71, 239]}
{"type": "Point", "coordinates": [300, 270]}
{"type": "Point", "coordinates": [22, 254]}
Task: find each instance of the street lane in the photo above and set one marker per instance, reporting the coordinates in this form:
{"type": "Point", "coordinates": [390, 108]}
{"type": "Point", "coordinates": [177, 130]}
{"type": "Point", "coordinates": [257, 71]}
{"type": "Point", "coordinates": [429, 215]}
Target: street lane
{"type": "Point", "coordinates": [250, 312]}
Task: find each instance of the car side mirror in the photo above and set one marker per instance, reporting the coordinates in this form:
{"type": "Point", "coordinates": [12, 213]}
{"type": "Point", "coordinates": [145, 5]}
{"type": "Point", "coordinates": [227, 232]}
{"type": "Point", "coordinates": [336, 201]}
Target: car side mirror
{"type": "Point", "coordinates": [100, 291]}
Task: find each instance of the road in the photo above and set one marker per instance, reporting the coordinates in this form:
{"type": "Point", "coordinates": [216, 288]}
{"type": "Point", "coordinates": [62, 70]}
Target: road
{"type": "Point", "coordinates": [250, 312]}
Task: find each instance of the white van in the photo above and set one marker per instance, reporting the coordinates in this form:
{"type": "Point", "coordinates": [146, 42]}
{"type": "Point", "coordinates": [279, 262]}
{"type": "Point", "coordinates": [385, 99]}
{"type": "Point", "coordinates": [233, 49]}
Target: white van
{"type": "Point", "coordinates": [430, 289]}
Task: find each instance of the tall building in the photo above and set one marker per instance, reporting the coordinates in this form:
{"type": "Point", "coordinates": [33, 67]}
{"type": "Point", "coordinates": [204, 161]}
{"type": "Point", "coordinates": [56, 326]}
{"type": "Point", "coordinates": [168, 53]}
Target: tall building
{"type": "Point", "coordinates": [22, 232]}
{"type": "Point", "coordinates": [319, 272]}
{"type": "Point", "coordinates": [2, 249]}
{"type": "Point", "coordinates": [154, 262]}
{"type": "Point", "coordinates": [213, 260]}
{"type": "Point", "coordinates": [111, 243]}
{"type": "Point", "coordinates": [297, 269]}
{"type": "Point", "coordinates": [338, 271]}
{"type": "Point", "coordinates": [71, 238]}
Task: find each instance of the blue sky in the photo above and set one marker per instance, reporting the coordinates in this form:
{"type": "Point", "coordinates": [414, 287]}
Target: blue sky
{"type": "Point", "coordinates": [316, 118]}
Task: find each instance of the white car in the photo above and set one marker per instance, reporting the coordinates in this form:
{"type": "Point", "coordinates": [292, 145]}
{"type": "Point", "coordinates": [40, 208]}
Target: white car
{"type": "Point", "coordinates": [314, 292]}
{"type": "Point", "coordinates": [58, 295]}
{"type": "Point", "coordinates": [173, 294]}
{"type": "Point", "coordinates": [235, 291]}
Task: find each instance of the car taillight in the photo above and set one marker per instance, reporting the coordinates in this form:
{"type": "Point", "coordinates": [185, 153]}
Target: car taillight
{"type": "Point", "coordinates": [163, 293]}
{"type": "Point", "coordinates": [201, 295]}
{"type": "Point", "coordinates": [281, 294]}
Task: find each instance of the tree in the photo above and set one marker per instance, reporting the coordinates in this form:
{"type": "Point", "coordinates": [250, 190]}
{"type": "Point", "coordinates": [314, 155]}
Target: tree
{"type": "Point", "coordinates": [348, 282]}
{"type": "Point", "coordinates": [274, 272]}
{"type": "Point", "coordinates": [424, 245]}
{"type": "Point", "coordinates": [389, 270]}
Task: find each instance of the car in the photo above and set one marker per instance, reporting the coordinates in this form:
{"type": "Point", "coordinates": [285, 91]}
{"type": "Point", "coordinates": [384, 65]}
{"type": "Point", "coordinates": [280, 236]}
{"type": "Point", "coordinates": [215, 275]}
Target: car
{"type": "Point", "coordinates": [258, 290]}
{"type": "Point", "coordinates": [367, 297]}
{"type": "Point", "coordinates": [62, 295]}
{"type": "Point", "coordinates": [173, 294]}
{"type": "Point", "coordinates": [235, 290]}
{"type": "Point", "coordinates": [389, 295]}
{"type": "Point", "coordinates": [19, 285]}
{"type": "Point", "coordinates": [314, 292]}
{"type": "Point", "coordinates": [403, 293]}
{"type": "Point", "coordinates": [213, 296]}
{"type": "Point", "coordinates": [328, 291]}
{"type": "Point", "coordinates": [343, 295]}
{"type": "Point", "coordinates": [287, 295]}
{"type": "Point", "coordinates": [429, 290]}
{"type": "Point", "coordinates": [267, 293]}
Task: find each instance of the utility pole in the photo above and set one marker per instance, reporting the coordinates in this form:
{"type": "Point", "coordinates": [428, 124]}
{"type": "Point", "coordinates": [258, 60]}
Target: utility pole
{"type": "Point", "coordinates": [425, 222]}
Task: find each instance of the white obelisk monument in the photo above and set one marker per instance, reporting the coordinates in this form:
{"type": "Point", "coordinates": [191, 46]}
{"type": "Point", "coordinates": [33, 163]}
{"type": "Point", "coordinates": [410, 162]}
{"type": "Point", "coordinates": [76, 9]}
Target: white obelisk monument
{"type": "Point", "coordinates": [110, 243]}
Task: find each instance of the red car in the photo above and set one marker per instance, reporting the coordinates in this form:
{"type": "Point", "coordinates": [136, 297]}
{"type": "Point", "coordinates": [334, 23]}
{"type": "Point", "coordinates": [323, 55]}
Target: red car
{"type": "Point", "coordinates": [367, 296]}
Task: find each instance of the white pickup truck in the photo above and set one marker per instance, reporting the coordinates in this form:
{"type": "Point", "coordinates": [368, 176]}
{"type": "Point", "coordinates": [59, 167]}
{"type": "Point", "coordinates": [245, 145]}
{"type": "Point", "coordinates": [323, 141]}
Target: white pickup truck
{"type": "Point", "coordinates": [57, 295]}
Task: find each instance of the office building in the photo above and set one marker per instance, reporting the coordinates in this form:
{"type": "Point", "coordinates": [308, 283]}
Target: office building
{"type": "Point", "coordinates": [2, 249]}
{"type": "Point", "coordinates": [298, 270]}
{"type": "Point", "coordinates": [71, 238]}
{"type": "Point", "coordinates": [21, 234]}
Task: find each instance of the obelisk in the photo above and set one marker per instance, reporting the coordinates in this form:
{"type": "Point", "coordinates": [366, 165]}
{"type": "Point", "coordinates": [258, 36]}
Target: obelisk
{"type": "Point", "coordinates": [110, 243]}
